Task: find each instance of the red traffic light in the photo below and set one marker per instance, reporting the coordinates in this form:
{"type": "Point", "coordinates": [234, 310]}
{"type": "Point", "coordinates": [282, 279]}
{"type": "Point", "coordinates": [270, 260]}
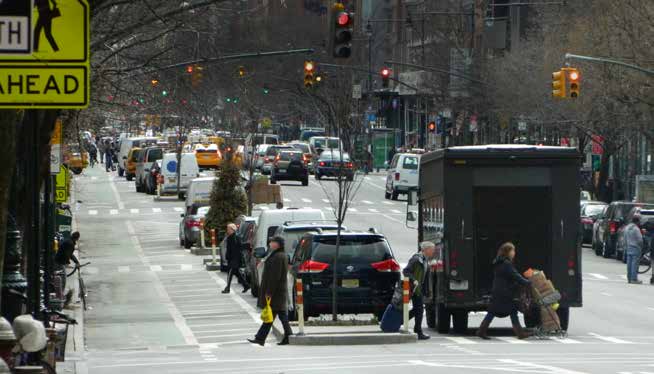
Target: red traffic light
{"type": "Point", "coordinates": [574, 75]}
{"type": "Point", "coordinates": [189, 69]}
{"type": "Point", "coordinates": [386, 72]}
{"type": "Point", "coordinates": [432, 126]}
{"type": "Point", "coordinates": [343, 19]}
{"type": "Point", "coordinates": [308, 66]}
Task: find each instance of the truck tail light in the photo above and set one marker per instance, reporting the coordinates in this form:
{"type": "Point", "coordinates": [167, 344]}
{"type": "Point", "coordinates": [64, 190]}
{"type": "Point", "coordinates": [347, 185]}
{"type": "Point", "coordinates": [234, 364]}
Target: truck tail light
{"type": "Point", "coordinates": [311, 266]}
{"type": "Point", "coordinates": [613, 227]}
{"type": "Point", "coordinates": [389, 265]}
{"type": "Point", "coordinates": [397, 176]}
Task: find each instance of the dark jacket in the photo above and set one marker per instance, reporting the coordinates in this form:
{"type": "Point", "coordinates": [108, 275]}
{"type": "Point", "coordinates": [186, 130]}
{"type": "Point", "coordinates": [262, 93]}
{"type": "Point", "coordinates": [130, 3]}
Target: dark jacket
{"type": "Point", "coordinates": [66, 253]}
{"type": "Point", "coordinates": [274, 282]}
{"type": "Point", "coordinates": [233, 251]}
{"type": "Point", "coordinates": [417, 270]}
{"type": "Point", "coordinates": [506, 285]}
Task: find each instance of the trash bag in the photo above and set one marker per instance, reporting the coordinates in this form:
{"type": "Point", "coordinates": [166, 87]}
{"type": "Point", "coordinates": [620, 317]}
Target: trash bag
{"type": "Point", "coordinates": [266, 313]}
{"type": "Point", "coordinates": [30, 333]}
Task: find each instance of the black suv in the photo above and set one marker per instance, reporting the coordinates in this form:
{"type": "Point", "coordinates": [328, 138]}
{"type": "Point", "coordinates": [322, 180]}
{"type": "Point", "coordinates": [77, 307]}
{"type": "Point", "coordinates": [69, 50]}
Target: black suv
{"type": "Point", "coordinates": [610, 224]}
{"type": "Point", "coordinates": [290, 165]}
{"type": "Point", "coordinates": [367, 272]}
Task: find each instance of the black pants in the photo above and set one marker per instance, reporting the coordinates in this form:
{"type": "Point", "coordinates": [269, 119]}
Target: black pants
{"type": "Point", "coordinates": [232, 272]}
{"type": "Point", "coordinates": [264, 330]}
{"type": "Point", "coordinates": [416, 312]}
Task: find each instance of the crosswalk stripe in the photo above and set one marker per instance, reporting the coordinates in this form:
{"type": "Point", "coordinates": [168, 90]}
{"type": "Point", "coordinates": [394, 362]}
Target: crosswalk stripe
{"type": "Point", "coordinates": [305, 200]}
{"type": "Point", "coordinates": [373, 210]}
{"type": "Point", "coordinates": [93, 212]}
{"type": "Point", "coordinates": [307, 207]}
{"type": "Point", "coordinates": [566, 340]}
{"type": "Point", "coordinates": [179, 209]}
{"type": "Point", "coordinates": [329, 208]}
{"type": "Point", "coordinates": [155, 268]}
{"type": "Point", "coordinates": [134, 211]}
{"type": "Point", "coordinates": [352, 209]}
{"type": "Point", "coordinates": [512, 340]}
{"type": "Point", "coordinates": [263, 207]}
{"type": "Point", "coordinates": [113, 211]}
{"type": "Point", "coordinates": [123, 269]}
{"type": "Point", "coordinates": [396, 211]}
{"type": "Point", "coordinates": [366, 202]}
{"type": "Point", "coordinates": [610, 339]}
{"type": "Point", "coordinates": [186, 267]}
{"type": "Point", "coordinates": [460, 340]}
{"type": "Point", "coordinates": [382, 178]}
{"type": "Point", "coordinates": [387, 202]}
{"type": "Point", "coordinates": [287, 200]}
{"type": "Point", "coordinates": [156, 210]}
{"type": "Point", "coordinates": [325, 201]}
{"type": "Point", "coordinates": [598, 276]}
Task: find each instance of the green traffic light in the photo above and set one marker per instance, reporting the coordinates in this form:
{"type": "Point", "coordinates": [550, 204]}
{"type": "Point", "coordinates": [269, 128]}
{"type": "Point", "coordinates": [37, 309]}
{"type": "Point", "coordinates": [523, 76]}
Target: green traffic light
{"type": "Point", "coordinates": [229, 99]}
{"type": "Point", "coordinates": [141, 100]}
{"type": "Point", "coordinates": [236, 100]}
{"type": "Point", "coordinates": [266, 91]}
{"type": "Point", "coordinates": [164, 93]}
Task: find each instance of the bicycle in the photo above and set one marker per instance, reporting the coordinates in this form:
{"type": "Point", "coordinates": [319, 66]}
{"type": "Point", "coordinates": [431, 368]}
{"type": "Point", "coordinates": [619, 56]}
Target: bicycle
{"type": "Point", "coordinates": [645, 263]}
{"type": "Point", "coordinates": [82, 286]}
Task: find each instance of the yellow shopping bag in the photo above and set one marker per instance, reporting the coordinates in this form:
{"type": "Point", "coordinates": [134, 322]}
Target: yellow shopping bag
{"type": "Point", "coordinates": [266, 313]}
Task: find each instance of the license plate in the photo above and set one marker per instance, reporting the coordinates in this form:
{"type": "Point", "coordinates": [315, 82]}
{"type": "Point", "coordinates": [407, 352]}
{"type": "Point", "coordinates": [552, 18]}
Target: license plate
{"type": "Point", "coordinates": [171, 180]}
{"type": "Point", "coordinates": [350, 283]}
{"type": "Point", "coordinates": [282, 170]}
{"type": "Point", "coordinates": [461, 285]}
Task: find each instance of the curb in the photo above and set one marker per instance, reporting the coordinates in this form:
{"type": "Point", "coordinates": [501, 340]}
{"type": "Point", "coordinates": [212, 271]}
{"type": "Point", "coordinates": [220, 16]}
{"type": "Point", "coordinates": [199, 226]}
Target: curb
{"type": "Point", "coordinates": [353, 339]}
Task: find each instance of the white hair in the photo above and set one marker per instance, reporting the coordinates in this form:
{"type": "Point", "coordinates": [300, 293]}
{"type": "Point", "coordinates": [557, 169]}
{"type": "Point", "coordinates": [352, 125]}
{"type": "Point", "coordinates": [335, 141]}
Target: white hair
{"type": "Point", "coordinates": [427, 244]}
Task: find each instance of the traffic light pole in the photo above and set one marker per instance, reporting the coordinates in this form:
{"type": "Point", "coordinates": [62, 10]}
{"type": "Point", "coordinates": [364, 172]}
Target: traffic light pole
{"type": "Point", "coordinates": [570, 56]}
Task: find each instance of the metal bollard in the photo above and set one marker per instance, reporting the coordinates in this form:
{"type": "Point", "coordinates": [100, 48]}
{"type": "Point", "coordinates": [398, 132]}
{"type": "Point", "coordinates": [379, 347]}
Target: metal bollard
{"type": "Point", "coordinates": [299, 305]}
{"type": "Point", "coordinates": [202, 234]}
{"type": "Point", "coordinates": [405, 304]}
{"type": "Point", "coordinates": [213, 246]}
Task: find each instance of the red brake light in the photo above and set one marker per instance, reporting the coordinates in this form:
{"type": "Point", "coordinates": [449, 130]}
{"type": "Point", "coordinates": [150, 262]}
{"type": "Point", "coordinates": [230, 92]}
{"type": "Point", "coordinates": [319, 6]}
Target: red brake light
{"type": "Point", "coordinates": [397, 176]}
{"type": "Point", "coordinates": [311, 266]}
{"type": "Point", "coordinates": [387, 265]}
{"type": "Point", "coordinates": [586, 221]}
{"type": "Point", "coordinates": [266, 159]}
{"type": "Point", "coordinates": [193, 223]}
{"type": "Point", "coordinates": [348, 165]}
{"type": "Point", "coordinates": [322, 163]}
{"type": "Point", "coordinates": [613, 227]}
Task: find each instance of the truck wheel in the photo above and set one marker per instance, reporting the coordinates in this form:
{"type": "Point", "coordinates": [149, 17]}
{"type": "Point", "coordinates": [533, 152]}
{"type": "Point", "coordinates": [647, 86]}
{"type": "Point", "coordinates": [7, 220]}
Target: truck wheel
{"type": "Point", "coordinates": [460, 322]}
{"type": "Point", "coordinates": [564, 317]}
{"type": "Point", "coordinates": [442, 319]}
{"type": "Point", "coordinates": [394, 195]}
{"type": "Point", "coordinates": [305, 181]}
{"type": "Point", "coordinates": [187, 244]}
{"type": "Point", "coordinates": [431, 316]}
{"type": "Point", "coordinates": [387, 195]}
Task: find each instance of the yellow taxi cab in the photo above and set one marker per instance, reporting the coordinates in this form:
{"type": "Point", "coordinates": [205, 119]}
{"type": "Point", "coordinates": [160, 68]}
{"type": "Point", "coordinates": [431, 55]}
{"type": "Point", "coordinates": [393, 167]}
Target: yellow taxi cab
{"type": "Point", "coordinates": [75, 158]}
{"type": "Point", "coordinates": [207, 156]}
{"type": "Point", "coordinates": [130, 164]}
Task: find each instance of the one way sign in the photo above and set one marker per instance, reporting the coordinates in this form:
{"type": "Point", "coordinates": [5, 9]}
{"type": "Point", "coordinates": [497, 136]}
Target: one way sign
{"type": "Point", "coordinates": [15, 26]}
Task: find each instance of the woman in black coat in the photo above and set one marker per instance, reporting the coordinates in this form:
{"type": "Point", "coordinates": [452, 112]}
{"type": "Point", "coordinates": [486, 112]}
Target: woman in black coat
{"type": "Point", "coordinates": [506, 285]}
{"type": "Point", "coordinates": [233, 257]}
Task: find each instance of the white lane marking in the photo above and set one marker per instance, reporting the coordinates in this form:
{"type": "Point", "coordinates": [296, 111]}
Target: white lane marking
{"type": "Point", "coordinates": [178, 209]}
{"type": "Point", "coordinates": [387, 202]}
{"type": "Point", "coordinates": [610, 339]}
{"type": "Point", "coordinates": [367, 202]}
{"type": "Point", "coordinates": [376, 186]}
{"type": "Point", "coordinates": [134, 211]}
{"type": "Point", "coordinates": [263, 207]}
{"type": "Point", "coordinates": [512, 340]}
{"type": "Point", "coordinates": [460, 340]}
{"type": "Point", "coordinates": [606, 294]}
{"type": "Point", "coordinates": [186, 267]}
{"type": "Point", "coordinates": [113, 211]}
{"type": "Point", "coordinates": [551, 369]}
{"type": "Point", "coordinates": [180, 323]}
{"type": "Point", "coordinates": [287, 200]}
{"type": "Point", "coordinates": [396, 211]}
{"type": "Point", "coordinates": [328, 208]}
{"type": "Point", "coordinates": [566, 340]}
{"type": "Point", "coordinates": [352, 209]}
{"type": "Point", "coordinates": [256, 317]}
{"type": "Point", "coordinates": [94, 178]}
{"type": "Point", "coordinates": [155, 268]}
{"type": "Point", "coordinates": [156, 210]}
{"type": "Point", "coordinates": [116, 194]}
{"type": "Point", "coordinates": [373, 210]}
{"type": "Point", "coordinates": [598, 276]}
{"type": "Point", "coordinates": [650, 308]}
{"type": "Point", "coordinates": [93, 212]}
{"type": "Point", "coordinates": [123, 269]}
{"type": "Point", "coordinates": [325, 201]}
{"type": "Point", "coordinates": [305, 200]}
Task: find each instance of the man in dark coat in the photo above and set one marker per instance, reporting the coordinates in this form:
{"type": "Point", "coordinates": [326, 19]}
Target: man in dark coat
{"type": "Point", "coordinates": [233, 257]}
{"type": "Point", "coordinates": [506, 283]}
{"type": "Point", "coordinates": [417, 270]}
{"type": "Point", "coordinates": [274, 285]}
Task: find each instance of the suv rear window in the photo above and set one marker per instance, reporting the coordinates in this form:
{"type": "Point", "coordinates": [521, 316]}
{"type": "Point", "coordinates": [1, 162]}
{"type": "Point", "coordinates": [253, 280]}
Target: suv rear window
{"type": "Point", "coordinates": [353, 249]}
{"type": "Point", "coordinates": [410, 163]}
{"type": "Point", "coordinates": [288, 156]}
{"type": "Point", "coordinates": [302, 147]}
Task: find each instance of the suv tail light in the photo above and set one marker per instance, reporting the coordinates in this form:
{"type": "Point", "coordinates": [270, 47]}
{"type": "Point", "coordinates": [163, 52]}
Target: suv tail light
{"type": "Point", "coordinates": [311, 266]}
{"type": "Point", "coordinates": [322, 163]}
{"type": "Point", "coordinates": [397, 176]}
{"type": "Point", "coordinates": [348, 165]}
{"type": "Point", "coordinates": [613, 227]}
{"type": "Point", "coordinates": [386, 266]}
{"type": "Point", "coordinates": [193, 223]}
{"type": "Point", "coordinates": [266, 159]}
{"type": "Point", "coordinates": [586, 221]}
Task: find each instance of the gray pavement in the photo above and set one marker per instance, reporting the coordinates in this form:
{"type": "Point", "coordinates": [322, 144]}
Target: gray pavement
{"type": "Point", "coordinates": [154, 309]}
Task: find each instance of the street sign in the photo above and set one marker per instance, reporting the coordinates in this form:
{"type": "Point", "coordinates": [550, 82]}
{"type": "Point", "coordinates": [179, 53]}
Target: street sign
{"type": "Point", "coordinates": [61, 185]}
{"type": "Point", "coordinates": [44, 54]}
{"type": "Point", "coordinates": [55, 149]}
{"type": "Point", "coordinates": [356, 91]}
{"type": "Point", "coordinates": [266, 122]}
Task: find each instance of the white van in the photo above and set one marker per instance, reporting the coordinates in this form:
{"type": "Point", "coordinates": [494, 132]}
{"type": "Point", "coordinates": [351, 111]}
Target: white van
{"type": "Point", "coordinates": [270, 220]}
{"type": "Point", "coordinates": [325, 142]}
{"type": "Point", "coordinates": [127, 144]}
{"type": "Point", "coordinates": [403, 174]}
{"type": "Point", "coordinates": [199, 191]}
{"type": "Point", "coordinates": [189, 171]}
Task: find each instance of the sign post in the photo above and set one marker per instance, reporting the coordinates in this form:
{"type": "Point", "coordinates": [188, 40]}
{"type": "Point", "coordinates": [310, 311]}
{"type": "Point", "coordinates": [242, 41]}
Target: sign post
{"type": "Point", "coordinates": [44, 54]}
{"type": "Point", "coordinates": [55, 149]}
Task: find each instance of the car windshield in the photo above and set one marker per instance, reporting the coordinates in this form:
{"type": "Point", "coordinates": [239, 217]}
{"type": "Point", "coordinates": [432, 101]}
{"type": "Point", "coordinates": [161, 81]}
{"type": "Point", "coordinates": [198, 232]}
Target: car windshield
{"type": "Point", "coordinates": [336, 156]}
{"type": "Point", "coordinates": [302, 147]}
{"type": "Point", "coordinates": [353, 249]}
{"type": "Point", "coordinates": [155, 154]}
{"type": "Point", "coordinates": [290, 156]}
{"type": "Point", "coordinates": [410, 163]}
{"type": "Point", "coordinates": [593, 210]}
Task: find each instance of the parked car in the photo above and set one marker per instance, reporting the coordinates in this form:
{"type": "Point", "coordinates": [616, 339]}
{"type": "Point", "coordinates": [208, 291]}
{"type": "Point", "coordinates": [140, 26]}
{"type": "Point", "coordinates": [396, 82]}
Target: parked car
{"type": "Point", "coordinates": [130, 163]}
{"type": "Point", "coordinates": [126, 146]}
{"type": "Point", "coordinates": [271, 155]}
{"type": "Point", "coordinates": [145, 159]}
{"type": "Point", "coordinates": [152, 178]}
{"type": "Point", "coordinates": [260, 158]}
{"type": "Point", "coordinates": [646, 220]}
{"type": "Point", "coordinates": [199, 191]}
{"type": "Point", "coordinates": [75, 157]}
{"type": "Point", "coordinates": [366, 268]}
{"type": "Point", "coordinates": [290, 165]}
{"type": "Point", "coordinates": [607, 230]}
{"type": "Point", "coordinates": [329, 165]}
{"type": "Point", "coordinates": [590, 211]}
{"type": "Point", "coordinates": [402, 175]}
{"type": "Point", "coordinates": [189, 171]}
{"type": "Point", "coordinates": [189, 228]}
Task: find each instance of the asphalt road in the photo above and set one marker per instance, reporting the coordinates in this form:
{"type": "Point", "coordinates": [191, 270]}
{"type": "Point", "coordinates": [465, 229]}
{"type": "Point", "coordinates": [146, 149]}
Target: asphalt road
{"type": "Point", "coordinates": [154, 309]}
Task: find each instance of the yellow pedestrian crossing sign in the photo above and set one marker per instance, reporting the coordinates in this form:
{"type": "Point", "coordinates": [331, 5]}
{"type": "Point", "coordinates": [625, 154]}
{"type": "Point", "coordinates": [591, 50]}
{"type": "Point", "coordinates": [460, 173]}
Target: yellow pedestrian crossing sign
{"type": "Point", "coordinates": [44, 54]}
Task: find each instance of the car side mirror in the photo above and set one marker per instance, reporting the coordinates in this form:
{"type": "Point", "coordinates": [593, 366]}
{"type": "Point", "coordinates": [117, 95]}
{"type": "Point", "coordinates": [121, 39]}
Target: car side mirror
{"type": "Point", "coordinates": [411, 216]}
{"type": "Point", "coordinates": [260, 252]}
{"type": "Point", "coordinates": [182, 215]}
{"type": "Point", "coordinates": [412, 197]}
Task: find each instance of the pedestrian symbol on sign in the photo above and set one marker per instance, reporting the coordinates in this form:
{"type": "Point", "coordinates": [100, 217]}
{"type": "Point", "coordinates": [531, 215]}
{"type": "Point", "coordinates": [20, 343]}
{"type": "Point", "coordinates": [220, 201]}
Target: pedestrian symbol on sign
{"type": "Point", "coordinates": [44, 22]}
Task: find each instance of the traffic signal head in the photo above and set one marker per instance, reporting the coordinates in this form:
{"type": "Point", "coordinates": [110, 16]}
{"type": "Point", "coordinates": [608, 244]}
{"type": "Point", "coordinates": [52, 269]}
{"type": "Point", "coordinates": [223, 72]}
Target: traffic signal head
{"type": "Point", "coordinates": [189, 69]}
{"type": "Point", "coordinates": [164, 93]}
{"type": "Point", "coordinates": [385, 74]}
{"type": "Point", "coordinates": [154, 82]}
{"type": "Point", "coordinates": [573, 77]}
{"type": "Point", "coordinates": [558, 84]}
{"type": "Point", "coordinates": [241, 71]}
{"type": "Point", "coordinates": [266, 89]}
{"type": "Point", "coordinates": [309, 69]}
{"type": "Point", "coordinates": [318, 78]}
{"type": "Point", "coordinates": [342, 32]}
{"type": "Point", "coordinates": [196, 76]}
{"type": "Point", "coordinates": [431, 126]}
